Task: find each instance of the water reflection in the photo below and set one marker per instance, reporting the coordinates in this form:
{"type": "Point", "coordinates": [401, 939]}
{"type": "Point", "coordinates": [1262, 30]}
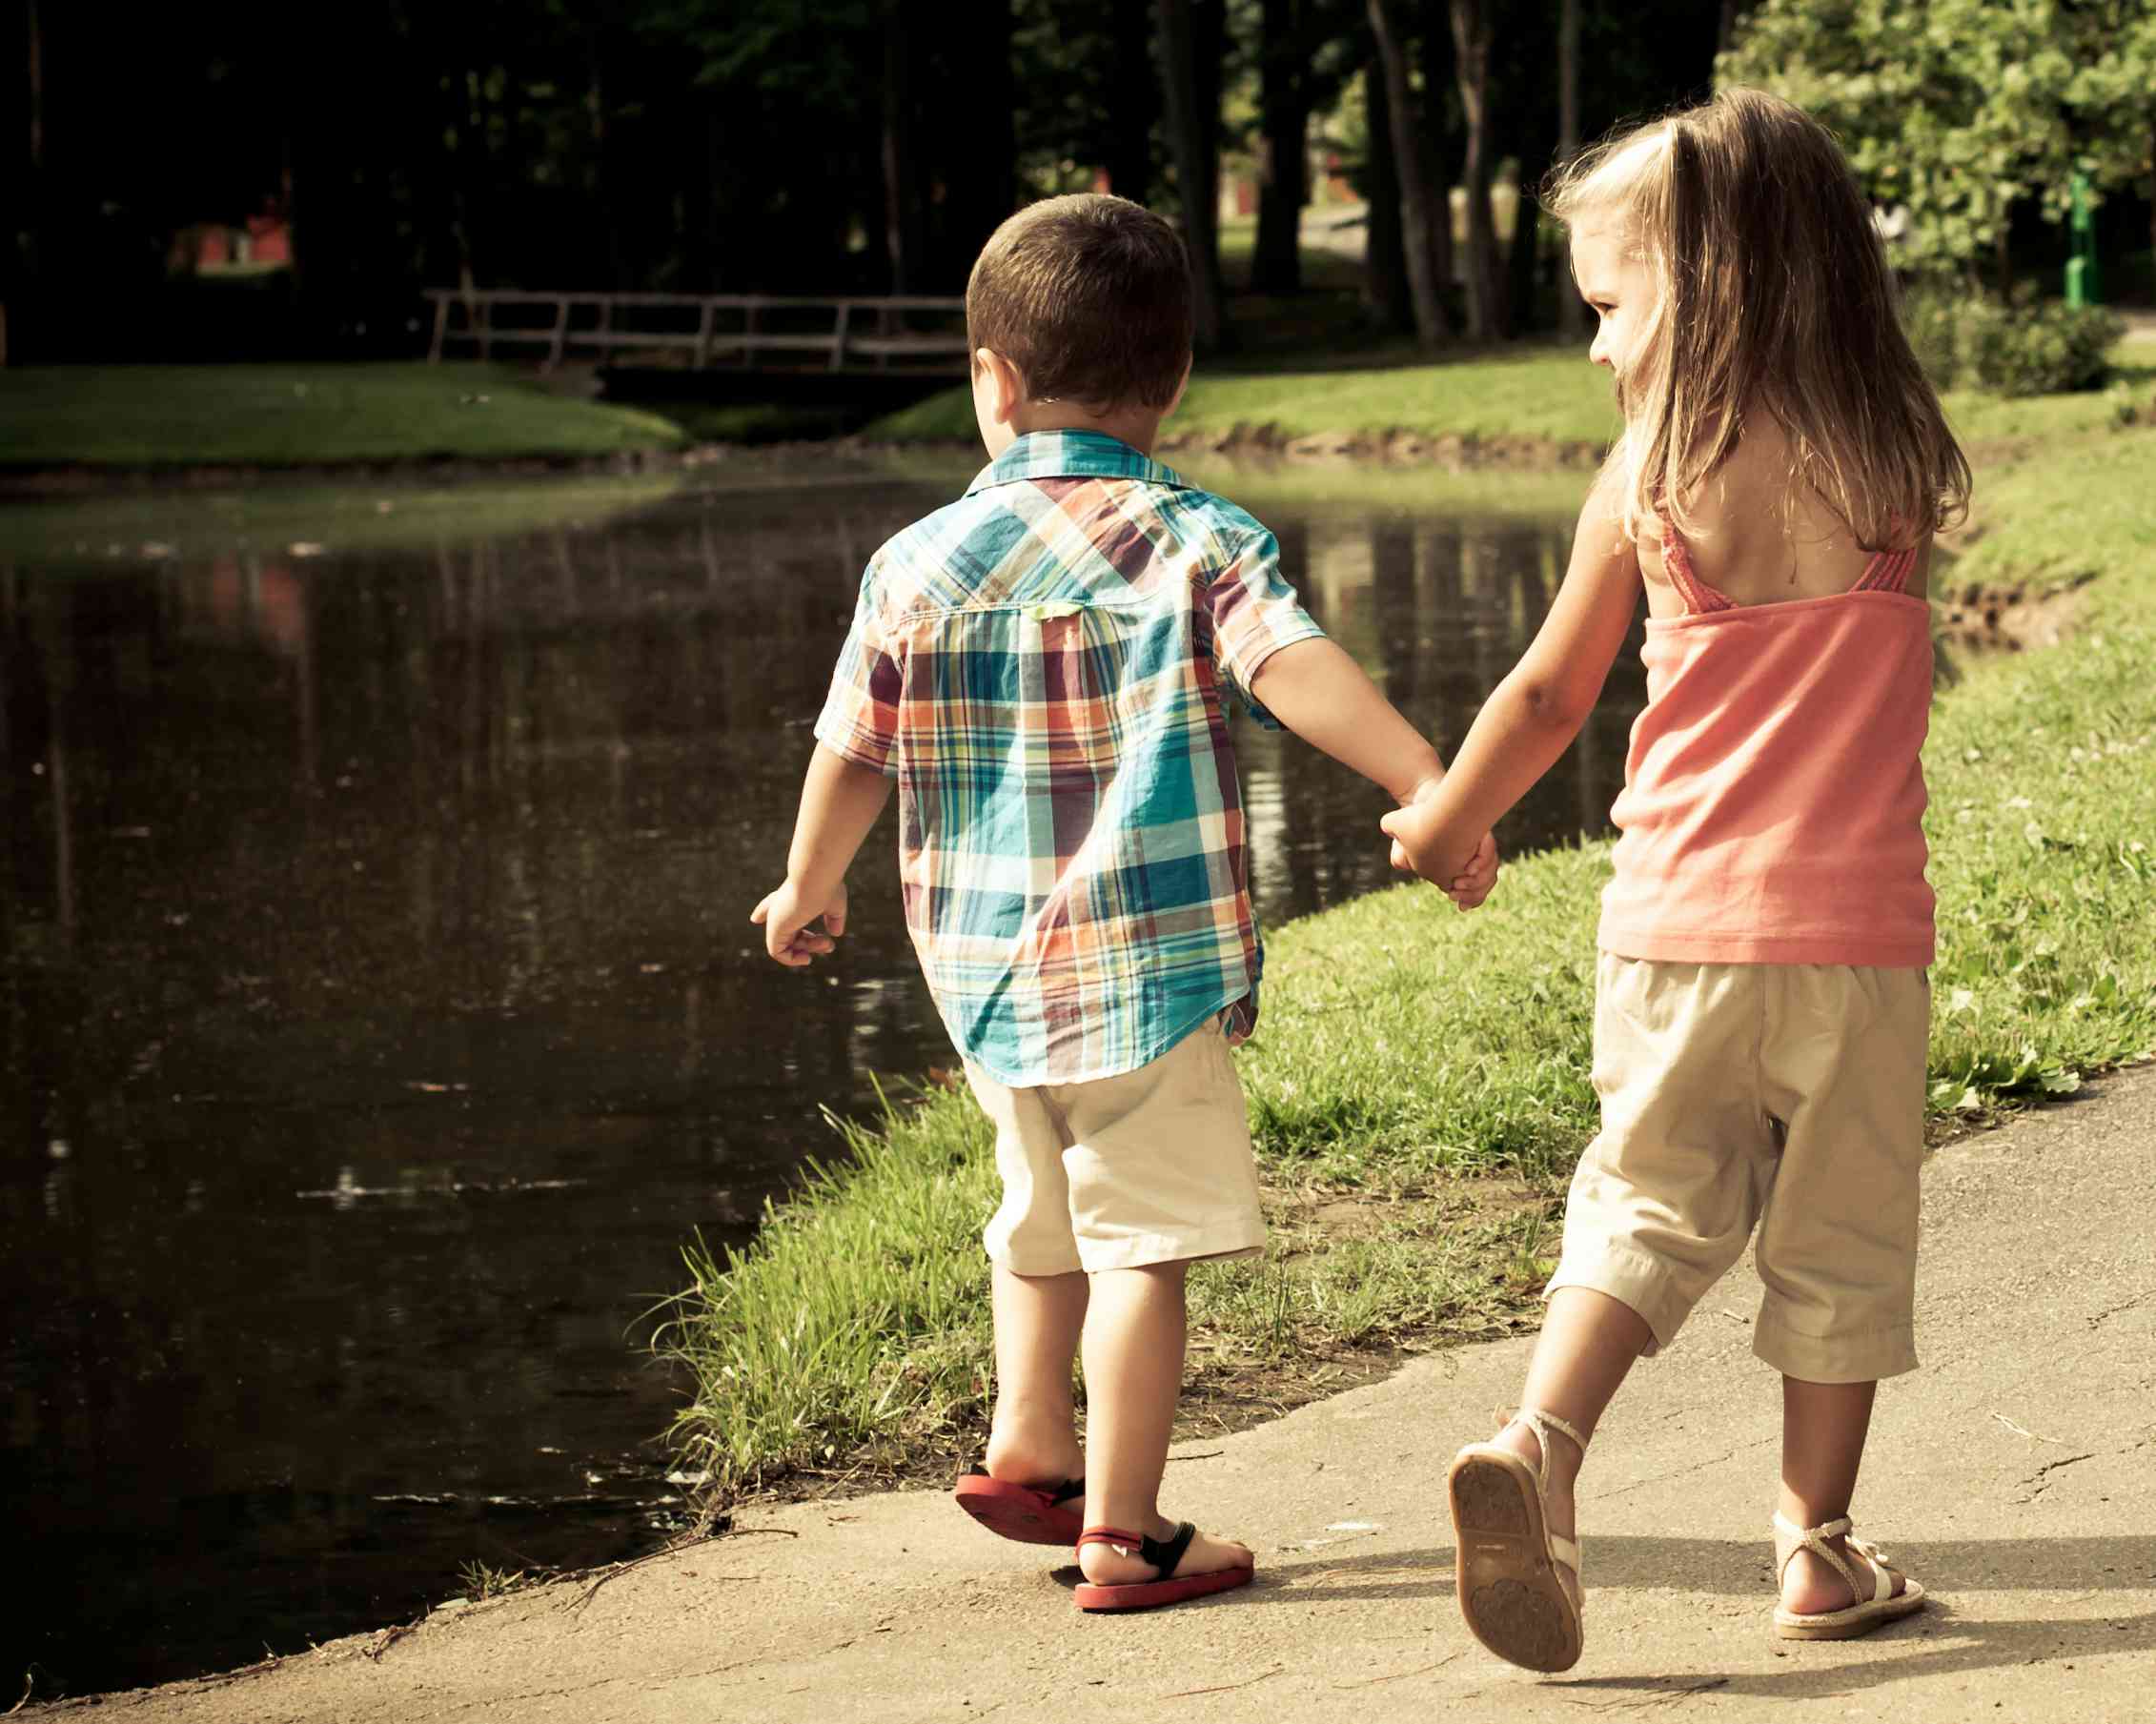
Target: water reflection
{"type": "Point", "coordinates": [380, 1015]}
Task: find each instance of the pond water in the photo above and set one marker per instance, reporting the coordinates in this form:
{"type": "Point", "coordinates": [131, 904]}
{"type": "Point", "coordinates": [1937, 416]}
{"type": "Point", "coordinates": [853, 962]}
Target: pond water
{"type": "Point", "coordinates": [379, 1018]}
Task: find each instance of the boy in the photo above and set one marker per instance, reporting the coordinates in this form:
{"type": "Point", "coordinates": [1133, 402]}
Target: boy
{"type": "Point", "coordinates": [1041, 666]}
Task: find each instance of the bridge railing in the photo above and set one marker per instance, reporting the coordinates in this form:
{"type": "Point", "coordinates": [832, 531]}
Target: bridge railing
{"type": "Point", "coordinates": [753, 331]}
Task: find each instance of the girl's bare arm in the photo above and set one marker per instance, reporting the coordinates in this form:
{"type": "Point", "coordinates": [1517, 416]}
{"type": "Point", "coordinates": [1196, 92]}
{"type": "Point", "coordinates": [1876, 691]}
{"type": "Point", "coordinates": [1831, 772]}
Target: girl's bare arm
{"type": "Point", "coordinates": [1537, 709]}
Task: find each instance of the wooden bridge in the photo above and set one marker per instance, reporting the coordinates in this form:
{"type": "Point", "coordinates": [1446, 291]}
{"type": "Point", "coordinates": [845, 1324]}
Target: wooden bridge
{"type": "Point", "coordinates": [913, 336]}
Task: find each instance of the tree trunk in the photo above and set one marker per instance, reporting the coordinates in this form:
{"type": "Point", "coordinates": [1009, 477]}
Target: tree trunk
{"type": "Point", "coordinates": [607, 207]}
{"type": "Point", "coordinates": [902, 187]}
{"type": "Point", "coordinates": [1283, 151]}
{"type": "Point", "coordinates": [1470, 59]}
{"type": "Point", "coordinates": [1440, 158]}
{"type": "Point", "coordinates": [36, 92]}
{"type": "Point", "coordinates": [19, 274]}
{"type": "Point", "coordinates": [1193, 131]}
{"type": "Point", "coordinates": [1523, 258]}
{"type": "Point", "coordinates": [976, 144]}
{"type": "Point", "coordinates": [1134, 108]}
{"type": "Point", "coordinates": [1572, 308]}
{"type": "Point", "coordinates": [1419, 213]}
{"type": "Point", "coordinates": [1726, 32]}
{"type": "Point", "coordinates": [1385, 263]}
{"type": "Point", "coordinates": [459, 183]}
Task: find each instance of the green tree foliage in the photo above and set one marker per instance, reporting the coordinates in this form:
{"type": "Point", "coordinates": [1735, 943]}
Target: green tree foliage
{"type": "Point", "coordinates": [1961, 109]}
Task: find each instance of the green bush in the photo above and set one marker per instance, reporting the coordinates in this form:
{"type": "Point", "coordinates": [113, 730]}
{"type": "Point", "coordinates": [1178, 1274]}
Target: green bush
{"type": "Point", "coordinates": [2025, 346]}
{"type": "Point", "coordinates": [1932, 320]}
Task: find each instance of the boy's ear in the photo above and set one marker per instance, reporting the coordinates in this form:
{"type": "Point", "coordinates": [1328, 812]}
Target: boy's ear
{"type": "Point", "coordinates": [1181, 384]}
{"type": "Point", "coordinates": [1005, 384]}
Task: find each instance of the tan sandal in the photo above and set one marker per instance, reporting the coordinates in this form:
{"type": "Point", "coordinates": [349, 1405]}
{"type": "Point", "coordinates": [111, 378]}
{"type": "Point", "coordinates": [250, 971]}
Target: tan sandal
{"type": "Point", "coordinates": [1514, 1601]}
{"type": "Point", "coordinates": [1877, 1600]}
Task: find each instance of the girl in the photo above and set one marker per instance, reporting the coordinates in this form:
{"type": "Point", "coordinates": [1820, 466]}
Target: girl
{"type": "Point", "coordinates": [1762, 1012]}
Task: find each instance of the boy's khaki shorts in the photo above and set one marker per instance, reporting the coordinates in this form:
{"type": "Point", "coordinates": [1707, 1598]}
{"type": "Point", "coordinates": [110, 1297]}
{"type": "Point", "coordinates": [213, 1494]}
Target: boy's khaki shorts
{"type": "Point", "coordinates": [1152, 1165]}
{"type": "Point", "coordinates": [1786, 1095]}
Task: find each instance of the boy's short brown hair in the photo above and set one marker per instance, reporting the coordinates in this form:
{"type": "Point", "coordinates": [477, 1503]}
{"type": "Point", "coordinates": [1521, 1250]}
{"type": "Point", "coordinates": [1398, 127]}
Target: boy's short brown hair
{"type": "Point", "coordinates": [1090, 296]}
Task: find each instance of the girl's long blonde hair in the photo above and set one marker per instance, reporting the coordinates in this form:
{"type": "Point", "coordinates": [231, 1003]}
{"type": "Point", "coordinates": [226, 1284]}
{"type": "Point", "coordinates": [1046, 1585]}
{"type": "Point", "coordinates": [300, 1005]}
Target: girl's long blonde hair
{"type": "Point", "coordinates": [1775, 296]}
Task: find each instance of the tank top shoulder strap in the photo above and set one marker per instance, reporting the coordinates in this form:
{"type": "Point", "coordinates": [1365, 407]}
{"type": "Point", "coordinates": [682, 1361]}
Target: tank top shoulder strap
{"type": "Point", "coordinates": [1887, 571]}
{"type": "Point", "coordinates": [1676, 561]}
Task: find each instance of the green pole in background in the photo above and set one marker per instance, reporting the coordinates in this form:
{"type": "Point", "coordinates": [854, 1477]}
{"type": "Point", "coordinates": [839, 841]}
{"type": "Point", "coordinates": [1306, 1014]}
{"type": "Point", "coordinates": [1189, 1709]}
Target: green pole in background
{"type": "Point", "coordinates": [2084, 286]}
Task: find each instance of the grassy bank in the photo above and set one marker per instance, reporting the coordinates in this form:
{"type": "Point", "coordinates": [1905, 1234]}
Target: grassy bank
{"type": "Point", "coordinates": [1533, 394]}
{"type": "Point", "coordinates": [1537, 393]}
{"type": "Point", "coordinates": [275, 416]}
{"type": "Point", "coordinates": [1419, 1087]}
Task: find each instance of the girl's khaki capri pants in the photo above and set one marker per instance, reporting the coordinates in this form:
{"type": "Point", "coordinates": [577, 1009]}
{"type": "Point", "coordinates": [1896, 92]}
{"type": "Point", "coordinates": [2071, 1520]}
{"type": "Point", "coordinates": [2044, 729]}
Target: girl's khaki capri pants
{"type": "Point", "coordinates": [1785, 1096]}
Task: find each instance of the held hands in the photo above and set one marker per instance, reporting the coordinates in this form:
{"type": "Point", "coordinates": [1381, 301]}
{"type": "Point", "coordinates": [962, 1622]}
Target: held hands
{"type": "Point", "coordinates": [787, 920]}
{"type": "Point", "coordinates": [1465, 871]}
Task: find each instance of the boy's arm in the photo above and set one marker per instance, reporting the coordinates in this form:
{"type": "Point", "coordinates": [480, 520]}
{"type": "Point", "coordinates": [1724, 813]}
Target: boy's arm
{"type": "Point", "coordinates": [1532, 717]}
{"type": "Point", "coordinates": [839, 801]}
{"type": "Point", "coordinates": [1314, 689]}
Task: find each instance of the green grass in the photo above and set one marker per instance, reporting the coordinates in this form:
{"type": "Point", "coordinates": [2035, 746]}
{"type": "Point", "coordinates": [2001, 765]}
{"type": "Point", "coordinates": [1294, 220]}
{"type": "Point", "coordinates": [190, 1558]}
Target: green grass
{"type": "Point", "coordinates": [174, 416]}
{"type": "Point", "coordinates": [854, 1332]}
{"type": "Point", "coordinates": [1535, 392]}
{"type": "Point", "coordinates": [1542, 392]}
{"type": "Point", "coordinates": [1314, 490]}
{"type": "Point", "coordinates": [1414, 1064]}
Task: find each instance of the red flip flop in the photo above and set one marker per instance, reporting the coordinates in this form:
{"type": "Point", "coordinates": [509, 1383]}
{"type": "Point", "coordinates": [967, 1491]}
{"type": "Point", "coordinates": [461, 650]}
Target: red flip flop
{"type": "Point", "coordinates": [1032, 1514]}
{"type": "Point", "coordinates": [1164, 1554]}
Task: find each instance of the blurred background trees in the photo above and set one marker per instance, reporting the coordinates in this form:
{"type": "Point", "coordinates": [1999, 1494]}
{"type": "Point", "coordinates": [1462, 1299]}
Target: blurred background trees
{"type": "Point", "coordinates": [248, 178]}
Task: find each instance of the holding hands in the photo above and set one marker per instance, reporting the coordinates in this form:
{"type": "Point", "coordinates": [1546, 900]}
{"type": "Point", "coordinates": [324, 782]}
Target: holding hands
{"type": "Point", "coordinates": [1462, 866]}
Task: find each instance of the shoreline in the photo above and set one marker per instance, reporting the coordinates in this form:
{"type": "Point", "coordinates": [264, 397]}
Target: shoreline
{"type": "Point", "coordinates": [1262, 445]}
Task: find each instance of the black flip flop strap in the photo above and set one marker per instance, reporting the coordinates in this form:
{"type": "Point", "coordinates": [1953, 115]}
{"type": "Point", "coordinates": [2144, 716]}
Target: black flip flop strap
{"type": "Point", "coordinates": [1057, 1494]}
{"type": "Point", "coordinates": [1165, 1553]}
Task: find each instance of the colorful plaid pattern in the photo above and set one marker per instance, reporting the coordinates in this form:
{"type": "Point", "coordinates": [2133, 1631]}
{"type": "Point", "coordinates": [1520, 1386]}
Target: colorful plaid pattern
{"type": "Point", "coordinates": [1041, 665]}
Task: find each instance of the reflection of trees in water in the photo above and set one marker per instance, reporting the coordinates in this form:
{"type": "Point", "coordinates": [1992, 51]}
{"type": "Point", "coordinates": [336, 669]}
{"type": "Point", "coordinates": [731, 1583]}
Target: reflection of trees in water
{"type": "Point", "coordinates": [410, 878]}
{"type": "Point", "coordinates": [1436, 611]}
{"type": "Point", "coordinates": [540, 766]}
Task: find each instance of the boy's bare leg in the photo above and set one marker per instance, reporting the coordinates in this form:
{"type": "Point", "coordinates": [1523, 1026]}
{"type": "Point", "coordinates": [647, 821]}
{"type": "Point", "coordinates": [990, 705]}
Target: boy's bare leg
{"type": "Point", "coordinates": [1823, 1427]}
{"type": "Point", "coordinates": [1589, 1342]}
{"type": "Point", "coordinates": [1134, 1336]}
{"type": "Point", "coordinates": [1033, 1438]}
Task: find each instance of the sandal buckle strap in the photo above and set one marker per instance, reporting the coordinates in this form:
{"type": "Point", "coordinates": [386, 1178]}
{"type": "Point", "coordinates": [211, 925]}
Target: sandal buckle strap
{"type": "Point", "coordinates": [1790, 1538]}
{"type": "Point", "coordinates": [1542, 1424]}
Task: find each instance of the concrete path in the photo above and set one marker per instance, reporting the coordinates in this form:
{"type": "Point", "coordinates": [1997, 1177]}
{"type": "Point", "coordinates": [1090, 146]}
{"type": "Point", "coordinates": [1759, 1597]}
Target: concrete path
{"type": "Point", "coordinates": [2015, 1475]}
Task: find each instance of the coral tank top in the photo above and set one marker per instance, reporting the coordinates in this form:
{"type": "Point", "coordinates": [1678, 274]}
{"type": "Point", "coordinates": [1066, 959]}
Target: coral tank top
{"type": "Point", "coordinates": [1773, 802]}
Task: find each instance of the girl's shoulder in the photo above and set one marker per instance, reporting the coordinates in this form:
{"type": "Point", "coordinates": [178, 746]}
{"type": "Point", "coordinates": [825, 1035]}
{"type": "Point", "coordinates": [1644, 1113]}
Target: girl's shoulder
{"type": "Point", "coordinates": [1759, 533]}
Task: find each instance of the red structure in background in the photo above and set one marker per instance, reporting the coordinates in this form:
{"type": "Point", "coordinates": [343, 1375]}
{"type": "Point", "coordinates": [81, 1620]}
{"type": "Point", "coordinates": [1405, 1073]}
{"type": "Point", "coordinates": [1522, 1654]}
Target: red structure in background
{"type": "Point", "coordinates": [263, 241]}
{"type": "Point", "coordinates": [269, 237]}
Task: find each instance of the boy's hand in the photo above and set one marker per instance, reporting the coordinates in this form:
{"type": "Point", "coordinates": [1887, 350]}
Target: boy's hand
{"type": "Point", "coordinates": [785, 917]}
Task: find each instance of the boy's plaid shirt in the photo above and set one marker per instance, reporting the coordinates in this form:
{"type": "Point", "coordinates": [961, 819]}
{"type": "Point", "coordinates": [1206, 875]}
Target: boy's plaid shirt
{"type": "Point", "coordinates": [1042, 666]}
